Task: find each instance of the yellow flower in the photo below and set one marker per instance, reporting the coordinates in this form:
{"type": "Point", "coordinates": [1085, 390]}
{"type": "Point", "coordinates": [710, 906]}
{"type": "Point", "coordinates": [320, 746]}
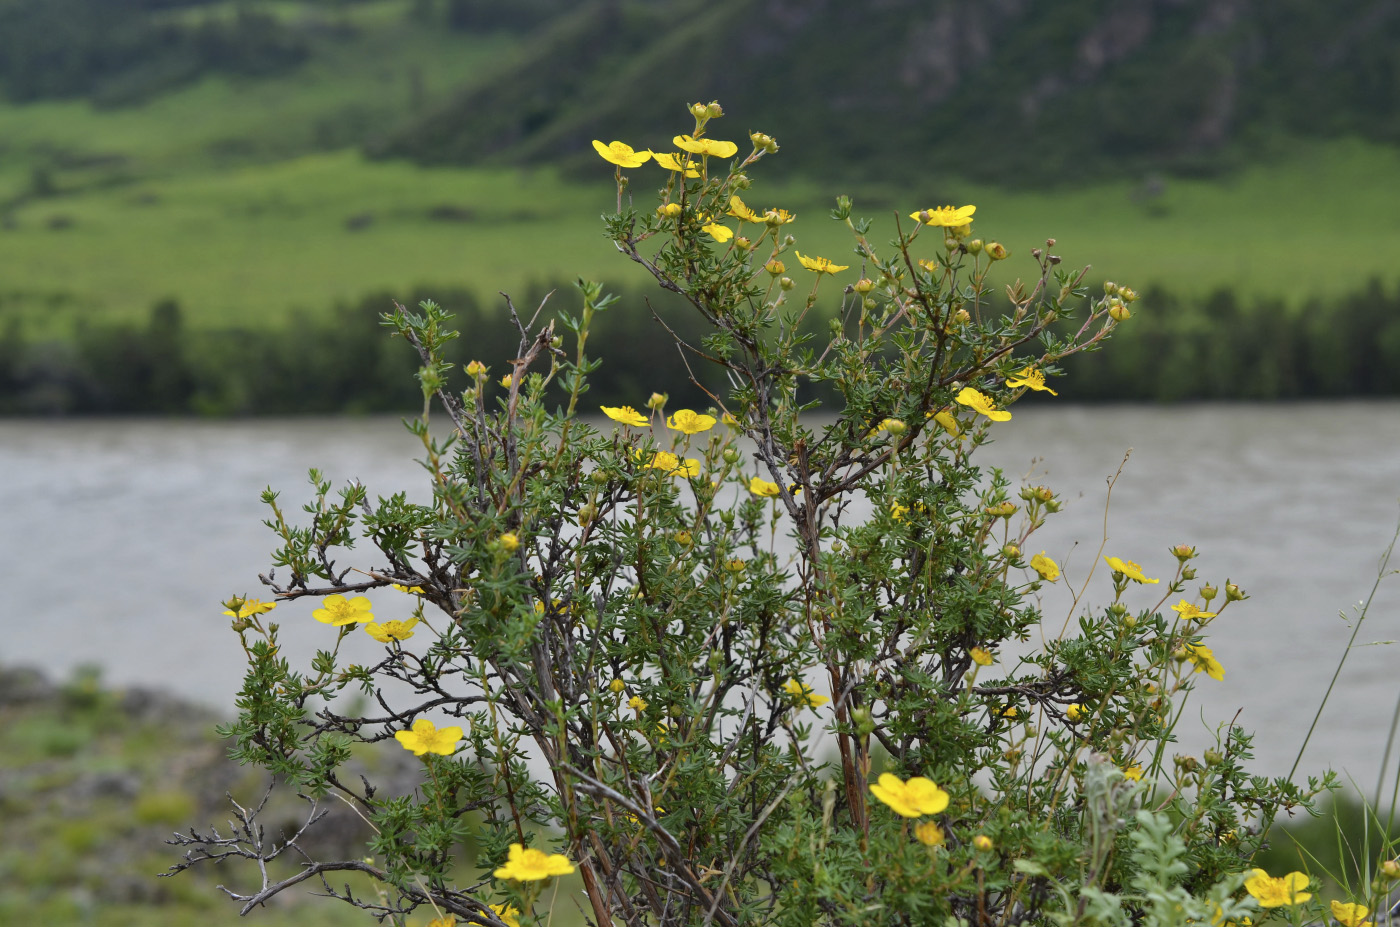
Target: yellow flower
{"type": "Point", "coordinates": [1350, 915]}
{"type": "Point", "coordinates": [617, 685]}
{"type": "Point", "coordinates": [692, 423]}
{"type": "Point", "coordinates": [1129, 569]}
{"type": "Point", "coordinates": [1203, 658]}
{"type": "Point", "coordinates": [982, 842]}
{"type": "Point", "coordinates": [1189, 612]}
{"type": "Point", "coordinates": [507, 380]}
{"type": "Point", "coordinates": [673, 466]}
{"type": "Point", "coordinates": [946, 216]}
{"type": "Point", "coordinates": [980, 656]}
{"type": "Point", "coordinates": [673, 163]}
{"type": "Point", "coordinates": [508, 914]}
{"type": "Point", "coordinates": [820, 265]}
{"type": "Point", "coordinates": [1010, 712]}
{"type": "Point", "coordinates": [948, 423]}
{"type": "Point", "coordinates": [705, 146]}
{"type": "Point", "coordinates": [1275, 893]}
{"type": "Point", "coordinates": [897, 511]}
{"type": "Point", "coordinates": [510, 542]}
{"type": "Point", "coordinates": [338, 610]}
{"type": "Point", "coordinates": [637, 703]}
{"type": "Point", "coordinates": [626, 415]}
{"type": "Point", "coordinates": [620, 154]}
{"type": "Point", "coordinates": [533, 865]}
{"type": "Point", "coordinates": [918, 796]}
{"type": "Point", "coordinates": [428, 738]}
{"type": "Point", "coordinates": [738, 210]}
{"type": "Point", "coordinates": [736, 565]}
{"type": "Point", "coordinates": [982, 403]}
{"type": "Point", "coordinates": [247, 607]}
{"type": "Point", "coordinates": [1048, 569]}
{"type": "Point", "coordinates": [391, 630]}
{"type": "Point", "coordinates": [1133, 773]}
{"type": "Point", "coordinates": [761, 487]}
{"type": "Point", "coordinates": [777, 216]}
{"type": "Point", "coordinates": [803, 695]}
{"type": "Point", "coordinates": [929, 834]}
{"type": "Point", "coordinates": [1074, 712]}
{"type": "Point", "coordinates": [411, 590]}
{"type": "Point", "coordinates": [718, 232]}
{"type": "Point", "coordinates": [1033, 378]}
{"type": "Point", "coordinates": [476, 370]}
{"type": "Point", "coordinates": [447, 920]}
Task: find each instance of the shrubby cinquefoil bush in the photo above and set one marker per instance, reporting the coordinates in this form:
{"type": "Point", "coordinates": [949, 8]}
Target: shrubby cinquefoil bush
{"type": "Point", "coordinates": [748, 664]}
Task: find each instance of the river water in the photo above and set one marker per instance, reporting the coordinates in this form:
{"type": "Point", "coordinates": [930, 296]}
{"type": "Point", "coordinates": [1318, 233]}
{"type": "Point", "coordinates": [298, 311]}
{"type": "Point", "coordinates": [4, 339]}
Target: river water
{"type": "Point", "coordinates": [119, 539]}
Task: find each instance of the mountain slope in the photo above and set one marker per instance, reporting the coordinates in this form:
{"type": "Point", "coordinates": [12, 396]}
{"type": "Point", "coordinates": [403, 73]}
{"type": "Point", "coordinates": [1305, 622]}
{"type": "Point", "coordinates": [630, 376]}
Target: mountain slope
{"type": "Point", "coordinates": [1004, 89]}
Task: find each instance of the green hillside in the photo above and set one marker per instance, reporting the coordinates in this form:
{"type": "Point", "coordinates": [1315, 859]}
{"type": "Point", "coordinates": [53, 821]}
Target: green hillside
{"type": "Point", "coordinates": [1009, 92]}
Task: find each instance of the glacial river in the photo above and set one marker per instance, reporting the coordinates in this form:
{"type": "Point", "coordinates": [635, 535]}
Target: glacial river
{"type": "Point", "coordinates": [119, 539]}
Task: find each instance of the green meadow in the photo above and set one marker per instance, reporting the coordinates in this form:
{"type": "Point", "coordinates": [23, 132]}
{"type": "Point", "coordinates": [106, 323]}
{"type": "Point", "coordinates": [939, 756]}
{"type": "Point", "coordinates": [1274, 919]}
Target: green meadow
{"type": "Point", "coordinates": [245, 199]}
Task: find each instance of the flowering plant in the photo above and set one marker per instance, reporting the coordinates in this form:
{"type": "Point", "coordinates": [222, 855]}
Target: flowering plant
{"type": "Point", "coordinates": [756, 664]}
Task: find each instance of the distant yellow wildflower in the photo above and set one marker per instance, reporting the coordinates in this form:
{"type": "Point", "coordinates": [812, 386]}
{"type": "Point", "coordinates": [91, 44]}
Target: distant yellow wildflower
{"type": "Point", "coordinates": [621, 154]}
{"type": "Point", "coordinates": [625, 415]}
{"type": "Point", "coordinates": [912, 799]}
{"type": "Point", "coordinates": [1129, 569]}
{"type": "Point", "coordinates": [820, 265]}
{"type": "Point", "coordinates": [1273, 892]}
{"type": "Point", "coordinates": [946, 216]}
{"type": "Point", "coordinates": [1032, 378]}
{"type": "Point", "coordinates": [982, 404]}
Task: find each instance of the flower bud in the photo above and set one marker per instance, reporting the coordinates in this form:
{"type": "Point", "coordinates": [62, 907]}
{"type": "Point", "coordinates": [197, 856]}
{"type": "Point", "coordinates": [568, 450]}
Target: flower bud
{"type": "Point", "coordinates": [962, 317]}
{"type": "Point", "coordinates": [714, 110]}
{"type": "Point", "coordinates": [982, 842]}
{"type": "Point", "coordinates": [669, 210]}
{"type": "Point", "coordinates": [1054, 505]}
{"type": "Point", "coordinates": [1003, 510]}
{"type": "Point", "coordinates": [509, 542]}
{"type": "Point", "coordinates": [1010, 551]}
{"type": "Point", "coordinates": [1213, 758]}
{"type": "Point", "coordinates": [864, 285]}
{"type": "Point", "coordinates": [742, 243]}
{"type": "Point", "coordinates": [699, 110]}
{"type": "Point", "coordinates": [996, 250]}
{"type": "Point", "coordinates": [586, 513]}
{"type": "Point", "coordinates": [1183, 552]}
{"type": "Point", "coordinates": [731, 455]}
{"type": "Point", "coordinates": [1117, 311]}
{"type": "Point", "coordinates": [1208, 592]}
{"type": "Point", "coordinates": [786, 283]}
{"type": "Point", "coordinates": [1130, 621]}
{"type": "Point", "coordinates": [1118, 610]}
{"type": "Point", "coordinates": [735, 566]}
{"type": "Point", "coordinates": [657, 401]}
{"type": "Point", "coordinates": [865, 726]}
{"type": "Point", "coordinates": [1234, 593]}
{"type": "Point", "coordinates": [974, 246]}
{"type": "Point", "coordinates": [1391, 869]}
{"type": "Point", "coordinates": [1127, 294]}
{"type": "Point", "coordinates": [950, 243]}
{"type": "Point", "coordinates": [894, 426]}
{"type": "Point", "coordinates": [599, 477]}
{"type": "Point", "coordinates": [477, 370]}
{"type": "Point", "coordinates": [1043, 494]}
{"type": "Point", "coordinates": [775, 267]}
{"type": "Point", "coordinates": [1188, 573]}
{"type": "Point", "coordinates": [684, 538]}
{"type": "Point", "coordinates": [1187, 763]}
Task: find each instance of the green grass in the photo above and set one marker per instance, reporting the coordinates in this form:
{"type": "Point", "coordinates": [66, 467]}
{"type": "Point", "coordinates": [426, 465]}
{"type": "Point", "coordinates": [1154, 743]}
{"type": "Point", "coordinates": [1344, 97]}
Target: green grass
{"type": "Point", "coordinates": [245, 199]}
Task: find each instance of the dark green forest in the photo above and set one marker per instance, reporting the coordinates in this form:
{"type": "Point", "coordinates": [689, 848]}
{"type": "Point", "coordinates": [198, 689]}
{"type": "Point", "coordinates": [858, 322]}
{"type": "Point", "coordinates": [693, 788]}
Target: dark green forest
{"type": "Point", "coordinates": [345, 361]}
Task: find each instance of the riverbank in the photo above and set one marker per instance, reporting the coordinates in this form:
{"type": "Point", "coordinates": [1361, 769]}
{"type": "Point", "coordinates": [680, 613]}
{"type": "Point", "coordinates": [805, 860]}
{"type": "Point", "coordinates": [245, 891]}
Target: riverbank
{"type": "Point", "coordinates": [93, 780]}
